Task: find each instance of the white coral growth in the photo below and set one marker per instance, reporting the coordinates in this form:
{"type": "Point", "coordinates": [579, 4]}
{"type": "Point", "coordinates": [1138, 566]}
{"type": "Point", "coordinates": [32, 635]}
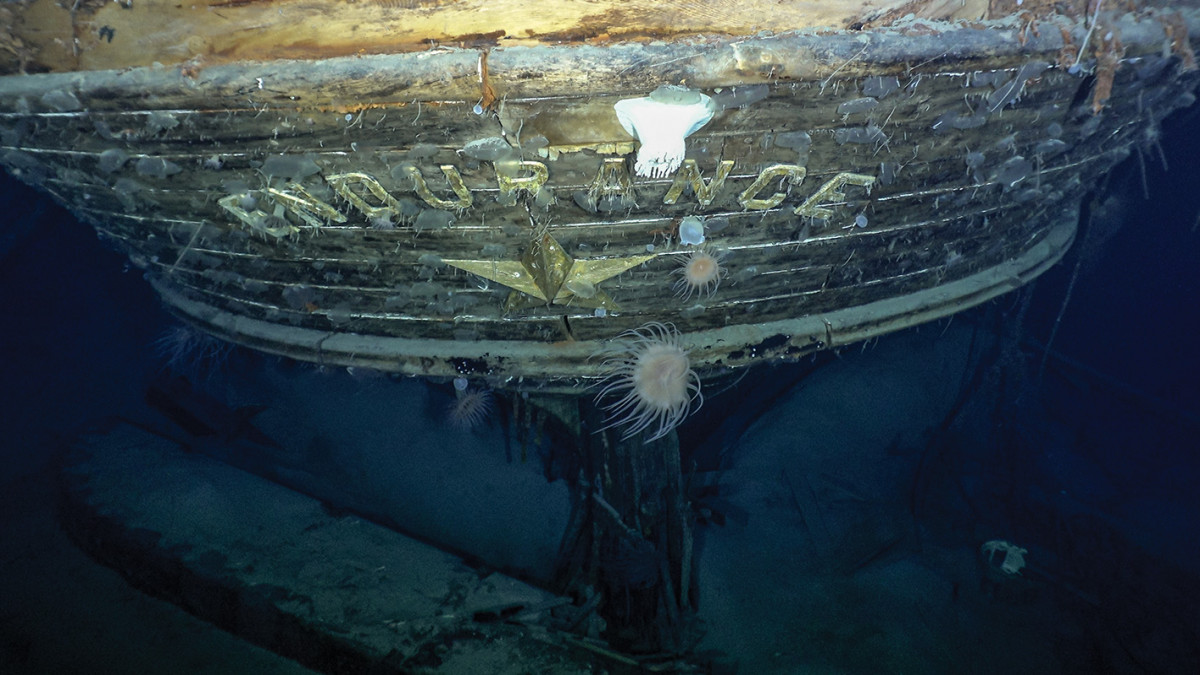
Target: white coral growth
{"type": "Point", "coordinates": [660, 122]}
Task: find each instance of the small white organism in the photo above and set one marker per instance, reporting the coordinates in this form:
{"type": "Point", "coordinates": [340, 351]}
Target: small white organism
{"type": "Point", "coordinates": [691, 231]}
{"type": "Point", "coordinates": [660, 122]}
{"type": "Point", "coordinates": [1014, 556]}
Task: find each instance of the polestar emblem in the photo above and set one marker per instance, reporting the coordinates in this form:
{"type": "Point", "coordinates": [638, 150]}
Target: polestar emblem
{"type": "Point", "coordinates": [546, 274]}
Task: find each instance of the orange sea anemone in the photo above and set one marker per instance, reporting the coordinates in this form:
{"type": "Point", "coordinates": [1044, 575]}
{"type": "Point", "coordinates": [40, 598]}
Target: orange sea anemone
{"type": "Point", "coordinates": [651, 377]}
{"type": "Point", "coordinates": [700, 273]}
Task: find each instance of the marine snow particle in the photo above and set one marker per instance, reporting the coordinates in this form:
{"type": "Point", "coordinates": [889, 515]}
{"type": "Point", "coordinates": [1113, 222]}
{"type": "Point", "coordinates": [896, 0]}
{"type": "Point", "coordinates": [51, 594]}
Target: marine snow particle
{"type": "Point", "coordinates": [650, 375]}
{"type": "Point", "coordinates": [660, 122]}
{"type": "Point", "coordinates": [700, 273]}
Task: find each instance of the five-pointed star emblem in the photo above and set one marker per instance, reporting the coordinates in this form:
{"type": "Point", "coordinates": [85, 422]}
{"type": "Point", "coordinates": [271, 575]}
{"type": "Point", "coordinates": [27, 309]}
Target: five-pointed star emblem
{"type": "Point", "coordinates": [546, 274]}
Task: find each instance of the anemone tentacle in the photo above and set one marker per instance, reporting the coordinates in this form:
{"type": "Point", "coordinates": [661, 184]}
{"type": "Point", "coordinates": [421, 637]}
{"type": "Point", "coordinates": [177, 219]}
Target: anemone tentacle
{"type": "Point", "coordinates": [648, 372]}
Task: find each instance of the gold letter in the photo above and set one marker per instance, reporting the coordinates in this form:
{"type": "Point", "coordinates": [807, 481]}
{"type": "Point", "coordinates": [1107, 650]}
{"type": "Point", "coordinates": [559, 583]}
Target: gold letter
{"type": "Point", "coordinates": [689, 174]}
{"type": "Point", "coordinates": [341, 184]}
{"type": "Point", "coordinates": [612, 179]}
{"type": "Point", "coordinates": [831, 192]}
{"type": "Point", "coordinates": [255, 220]}
{"type": "Point", "coordinates": [456, 183]}
{"type": "Point", "coordinates": [305, 206]}
{"type": "Point", "coordinates": [510, 182]}
{"type": "Point", "coordinates": [748, 199]}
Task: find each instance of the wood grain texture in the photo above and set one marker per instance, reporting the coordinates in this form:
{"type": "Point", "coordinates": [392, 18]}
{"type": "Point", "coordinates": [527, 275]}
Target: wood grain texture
{"type": "Point", "coordinates": [310, 208]}
{"type": "Point", "coordinates": [143, 32]}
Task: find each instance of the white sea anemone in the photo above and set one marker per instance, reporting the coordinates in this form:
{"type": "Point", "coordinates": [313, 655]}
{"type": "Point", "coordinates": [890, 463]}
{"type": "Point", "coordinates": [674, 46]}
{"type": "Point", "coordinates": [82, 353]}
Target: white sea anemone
{"type": "Point", "coordinates": [190, 352]}
{"type": "Point", "coordinates": [470, 407]}
{"type": "Point", "coordinates": [650, 376]}
{"type": "Point", "coordinates": [660, 122]}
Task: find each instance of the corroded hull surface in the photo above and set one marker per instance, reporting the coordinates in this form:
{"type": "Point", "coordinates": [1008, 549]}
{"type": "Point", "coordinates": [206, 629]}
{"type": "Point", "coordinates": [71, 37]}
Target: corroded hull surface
{"type": "Point", "coordinates": [484, 212]}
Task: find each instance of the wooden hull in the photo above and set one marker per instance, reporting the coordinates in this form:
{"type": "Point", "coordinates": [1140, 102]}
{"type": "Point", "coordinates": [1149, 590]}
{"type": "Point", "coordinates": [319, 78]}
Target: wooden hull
{"type": "Point", "coordinates": [481, 213]}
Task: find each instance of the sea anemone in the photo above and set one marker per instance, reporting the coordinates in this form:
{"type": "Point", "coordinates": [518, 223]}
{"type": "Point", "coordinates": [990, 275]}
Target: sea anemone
{"type": "Point", "coordinates": [700, 273]}
{"type": "Point", "coordinates": [470, 406]}
{"type": "Point", "coordinates": [660, 122]}
{"type": "Point", "coordinates": [191, 352]}
{"type": "Point", "coordinates": [650, 375]}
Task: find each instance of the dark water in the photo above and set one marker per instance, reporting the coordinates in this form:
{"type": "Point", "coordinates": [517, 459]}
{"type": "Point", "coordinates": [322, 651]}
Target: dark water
{"type": "Point", "coordinates": [1083, 450]}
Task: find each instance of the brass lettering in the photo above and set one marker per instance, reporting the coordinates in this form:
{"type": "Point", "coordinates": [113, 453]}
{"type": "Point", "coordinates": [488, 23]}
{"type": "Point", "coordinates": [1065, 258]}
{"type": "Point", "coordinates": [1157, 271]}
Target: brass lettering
{"type": "Point", "coordinates": [749, 198]}
{"type": "Point", "coordinates": [831, 192]}
{"type": "Point", "coordinates": [510, 182]}
{"type": "Point", "coordinates": [453, 177]}
{"type": "Point", "coordinates": [233, 204]}
{"type": "Point", "coordinates": [256, 220]}
{"type": "Point", "coordinates": [689, 174]}
{"type": "Point", "coordinates": [341, 184]}
{"type": "Point", "coordinates": [306, 207]}
{"type": "Point", "coordinates": [612, 179]}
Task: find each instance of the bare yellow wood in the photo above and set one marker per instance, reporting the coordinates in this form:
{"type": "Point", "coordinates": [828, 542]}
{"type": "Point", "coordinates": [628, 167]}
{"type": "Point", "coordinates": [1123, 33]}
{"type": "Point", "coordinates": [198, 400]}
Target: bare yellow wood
{"type": "Point", "coordinates": [129, 33]}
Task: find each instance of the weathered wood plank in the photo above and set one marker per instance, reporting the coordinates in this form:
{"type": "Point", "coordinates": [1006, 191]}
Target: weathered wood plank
{"type": "Point", "coordinates": [388, 197]}
{"type": "Point", "coordinates": [96, 35]}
